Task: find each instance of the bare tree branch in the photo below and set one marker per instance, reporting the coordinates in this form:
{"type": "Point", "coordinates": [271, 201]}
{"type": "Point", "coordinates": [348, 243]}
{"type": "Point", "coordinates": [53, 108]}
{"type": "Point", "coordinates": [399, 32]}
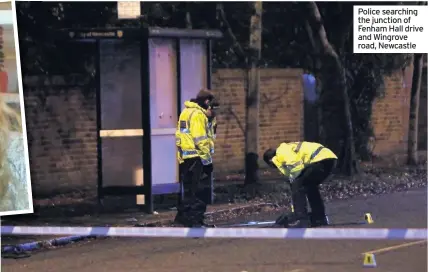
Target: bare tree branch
{"type": "Point", "coordinates": [224, 23]}
{"type": "Point", "coordinates": [188, 16]}
{"type": "Point", "coordinates": [310, 36]}
{"type": "Point", "coordinates": [319, 30]}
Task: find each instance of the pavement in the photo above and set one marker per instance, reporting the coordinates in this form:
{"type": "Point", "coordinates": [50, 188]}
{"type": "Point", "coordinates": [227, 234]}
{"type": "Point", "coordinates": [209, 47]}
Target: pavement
{"type": "Point", "coordinates": [124, 219]}
{"type": "Point", "coordinates": [398, 210]}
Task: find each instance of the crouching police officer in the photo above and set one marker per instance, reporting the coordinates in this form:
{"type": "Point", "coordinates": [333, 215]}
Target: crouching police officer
{"type": "Point", "coordinates": [194, 157]}
{"type": "Point", "coordinates": [306, 165]}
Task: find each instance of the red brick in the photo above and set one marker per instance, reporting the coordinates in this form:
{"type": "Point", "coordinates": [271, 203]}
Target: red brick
{"type": "Point", "coordinates": [281, 112]}
{"type": "Point", "coordinates": [391, 115]}
{"type": "Point", "coordinates": [68, 159]}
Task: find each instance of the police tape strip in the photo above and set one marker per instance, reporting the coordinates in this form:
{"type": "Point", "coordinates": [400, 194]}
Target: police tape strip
{"type": "Point", "coordinates": [264, 233]}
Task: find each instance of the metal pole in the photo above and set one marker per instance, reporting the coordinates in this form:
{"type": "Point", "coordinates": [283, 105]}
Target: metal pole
{"type": "Point", "coordinates": [99, 125]}
{"type": "Point", "coordinates": [179, 109]}
{"type": "Point", "coordinates": [209, 85]}
{"type": "Point", "coordinates": [145, 111]}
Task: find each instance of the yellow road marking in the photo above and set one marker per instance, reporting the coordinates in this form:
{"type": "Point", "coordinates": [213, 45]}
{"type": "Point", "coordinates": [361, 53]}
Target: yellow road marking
{"type": "Point", "coordinates": [391, 248]}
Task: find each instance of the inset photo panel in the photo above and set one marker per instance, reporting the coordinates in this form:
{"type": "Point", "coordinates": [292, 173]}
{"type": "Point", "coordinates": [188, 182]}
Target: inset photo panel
{"type": "Point", "coordinates": [15, 181]}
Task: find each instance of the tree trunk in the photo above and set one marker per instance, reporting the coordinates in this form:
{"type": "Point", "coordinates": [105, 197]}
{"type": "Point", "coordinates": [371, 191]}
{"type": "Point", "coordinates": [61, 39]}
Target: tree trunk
{"type": "Point", "coordinates": [253, 97]}
{"type": "Point", "coordinates": [349, 162]}
{"type": "Point", "coordinates": [412, 143]}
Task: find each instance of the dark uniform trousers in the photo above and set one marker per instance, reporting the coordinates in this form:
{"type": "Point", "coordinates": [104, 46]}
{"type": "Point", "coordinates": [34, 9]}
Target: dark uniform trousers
{"type": "Point", "coordinates": [306, 186]}
{"type": "Point", "coordinates": [191, 210]}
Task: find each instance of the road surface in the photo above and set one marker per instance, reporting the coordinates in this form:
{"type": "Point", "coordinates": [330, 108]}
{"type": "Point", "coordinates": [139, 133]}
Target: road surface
{"type": "Point", "coordinates": [399, 210]}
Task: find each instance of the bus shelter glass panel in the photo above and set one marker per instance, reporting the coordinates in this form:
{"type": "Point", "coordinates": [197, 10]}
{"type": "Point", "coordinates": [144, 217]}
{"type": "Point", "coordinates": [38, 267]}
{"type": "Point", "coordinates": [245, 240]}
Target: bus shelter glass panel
{"type": "Point", "coordinates": [193, 66]}
{"type": "Point", "coordinates": [163, 115]}
{"type": "Point", "coordinates": [121, 120]}
{"type": "Point", "coordinates": [122, 163]}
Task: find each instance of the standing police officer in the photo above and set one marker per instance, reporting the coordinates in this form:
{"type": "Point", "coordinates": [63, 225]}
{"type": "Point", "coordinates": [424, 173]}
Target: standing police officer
{"type": "Point", "coordinates": [194, 156]}
{"type": "Point", "coordinates": [306, 165]}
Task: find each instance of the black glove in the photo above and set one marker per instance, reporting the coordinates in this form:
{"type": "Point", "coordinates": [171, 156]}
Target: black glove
{"type": "Point", "coordinates": [208, 169]}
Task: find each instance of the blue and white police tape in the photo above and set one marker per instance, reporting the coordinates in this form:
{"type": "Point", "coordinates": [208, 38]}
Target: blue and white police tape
{"type": "Point", "coordinates": [40, 244]}
{"type": "Point", "coordinates": [271, 223]}
{"type": "Point", "coordinates": [263, 233]}
{"type": "Point", "coordinates": [251, 223]}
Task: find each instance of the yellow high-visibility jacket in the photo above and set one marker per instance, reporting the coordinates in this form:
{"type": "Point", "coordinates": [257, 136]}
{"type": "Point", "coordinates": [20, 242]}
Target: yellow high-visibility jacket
{"type": "Point", "coordinates": [191, 134]}
{"type": "Point", "coordinates": [292, 158]}
{"type": "Point", "coordinates": [212, 133]}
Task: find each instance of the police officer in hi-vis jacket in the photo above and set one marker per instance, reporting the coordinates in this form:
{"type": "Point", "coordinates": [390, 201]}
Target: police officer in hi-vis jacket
{"type": "Point", "coordinates": [195, 146]}
{"type": "Point", "coordinates": [306, 165]}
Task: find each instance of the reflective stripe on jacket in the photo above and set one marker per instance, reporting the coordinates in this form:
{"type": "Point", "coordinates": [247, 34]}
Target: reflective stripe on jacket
{"type": "Point", "coordinates": [191, 134]}
{"type": "Point", "coordinates": [292, 158]}
{"type": "Point", "coordinates": [212, 133]}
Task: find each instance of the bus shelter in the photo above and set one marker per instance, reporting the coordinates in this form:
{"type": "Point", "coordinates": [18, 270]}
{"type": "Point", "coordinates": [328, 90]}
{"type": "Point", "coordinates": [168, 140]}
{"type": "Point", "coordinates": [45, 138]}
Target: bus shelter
{"type": "Point", "coordinates": [143, 76]}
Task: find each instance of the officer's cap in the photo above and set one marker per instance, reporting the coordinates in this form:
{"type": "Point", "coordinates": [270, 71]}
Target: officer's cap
{"type": "Point", "coordinates": [205, 94]}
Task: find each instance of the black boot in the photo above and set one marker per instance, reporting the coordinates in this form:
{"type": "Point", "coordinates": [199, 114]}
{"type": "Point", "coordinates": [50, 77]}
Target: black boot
{"type": "Point", "coordinates": [282, 221]}
{"type": "Point", "coordinates": [318, 220]}
{"type": "Point", "coordinates": [292, 221]}
{"type": "Point", "coordinates": [184, 216]}
{"type": "Point", "coordinates": [191, 213]}
{"type": "Point", "coordinates": [181, 220]}
{"type": "Point", "coordinates": [300, 222]}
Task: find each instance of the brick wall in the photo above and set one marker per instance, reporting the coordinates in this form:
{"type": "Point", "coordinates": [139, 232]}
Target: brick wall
{"type": "Point", "coordinates": [391, 115]}
{"type": "Point", "coordinates": [62, 133]}
{"type": "Point", "coordinates": [281, 113]}
{"type": "Point", "coordinates": [62, 130]}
